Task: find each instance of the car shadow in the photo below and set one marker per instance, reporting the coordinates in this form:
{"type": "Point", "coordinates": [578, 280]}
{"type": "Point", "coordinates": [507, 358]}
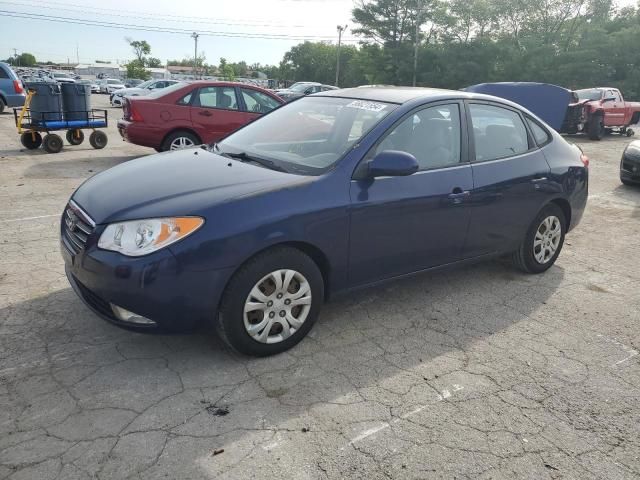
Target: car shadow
{"type": "Point", "coordinates": [75, 167]}
{"type": "Point", "coordinates": [406, 342]}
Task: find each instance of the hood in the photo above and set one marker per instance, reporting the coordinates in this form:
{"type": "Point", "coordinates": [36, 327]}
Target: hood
{"type": "Point", "coordinates": [132, 91]}
{"type": "Point", "coordinates": [183, 182]}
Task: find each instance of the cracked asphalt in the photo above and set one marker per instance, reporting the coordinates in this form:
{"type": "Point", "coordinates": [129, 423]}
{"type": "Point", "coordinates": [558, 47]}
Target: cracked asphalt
{"type": "Point", "coordinates": [480, 372]}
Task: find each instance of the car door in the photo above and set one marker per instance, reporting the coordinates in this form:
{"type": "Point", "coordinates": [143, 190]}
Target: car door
{"type": "Point", "coordinates": [616, 108]}
{"type": "Point", "coordinates": [405, 224]}
{"type": "Point", "coordinates": [215, 112]}
{"type": "Point", "coordinates": [510, 176]}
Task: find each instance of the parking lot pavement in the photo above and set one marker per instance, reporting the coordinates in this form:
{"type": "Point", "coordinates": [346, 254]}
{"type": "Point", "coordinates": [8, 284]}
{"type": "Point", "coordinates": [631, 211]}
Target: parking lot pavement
{"type": "Point", "coordinates": [481, 372]}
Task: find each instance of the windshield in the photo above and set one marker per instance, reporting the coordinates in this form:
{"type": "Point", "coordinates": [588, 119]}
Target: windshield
{"type": "Point", "coordinates": [161, 92]}
{"type": "Point", "coordinates": [145, 84]}
{"type": "Point", "coordinates": [60, 75]}
{"type": "Point", "coordinates": [589, 94]}
{"type": "Point", "coordinates": [114, 82]}
{"type": "Point", "coordinates": [308, 136]}
{"type": "Point", "coordinates": [299, 87]}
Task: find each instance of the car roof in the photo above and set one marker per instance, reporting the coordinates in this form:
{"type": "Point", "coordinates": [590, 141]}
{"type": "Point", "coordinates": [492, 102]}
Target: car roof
{"type": "Point", "coordinates": [402, 95]}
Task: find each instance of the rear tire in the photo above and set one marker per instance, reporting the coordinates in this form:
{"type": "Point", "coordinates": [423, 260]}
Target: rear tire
{"type": "Point", "coordinates": [2, 105]}
{"type": "Point", "coordinates": [98, 139]}
{"type": "Point", "coordinates": [180, 139]}
{"type": "Point", "coordinates": [75, 137]}
{"type": "Point", "coordinates": [596, 128]}
{"type": "Point", "coordinates": [275, 309]}
{"type": "Point", "coordinates": [31, 140]}
{"type": "Point", "coordinates": [52, 143]}
{"type": "Point", "coordinates": [530, 257]}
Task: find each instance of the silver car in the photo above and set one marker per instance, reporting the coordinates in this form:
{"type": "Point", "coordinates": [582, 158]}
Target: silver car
{"type": "Point", "coordinates": [143, 89]}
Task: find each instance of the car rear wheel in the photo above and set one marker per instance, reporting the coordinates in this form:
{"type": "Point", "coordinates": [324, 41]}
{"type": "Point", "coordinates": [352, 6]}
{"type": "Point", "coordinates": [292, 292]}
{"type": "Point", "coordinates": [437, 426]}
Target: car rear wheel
{"type": "Point", "coordinates": [180, 140]}
{"type": "Point", "coordinates": [2, 105]}
{"type": "Point", "coordinates": [271, 302]}
{"type": "Point", "coordinates": [543, 241]}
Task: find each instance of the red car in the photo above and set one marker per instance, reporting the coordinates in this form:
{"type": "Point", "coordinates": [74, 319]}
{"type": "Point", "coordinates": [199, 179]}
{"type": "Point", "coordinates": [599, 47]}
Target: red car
{"type": "Point", "coordinates": [191, 113]}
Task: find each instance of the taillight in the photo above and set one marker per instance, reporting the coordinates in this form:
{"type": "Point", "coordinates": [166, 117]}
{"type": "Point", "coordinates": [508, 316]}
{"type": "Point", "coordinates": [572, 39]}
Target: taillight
{"type": "Point", "coordinates": [134, 114]}
{"type": "Point", "coordinates": [585, 160]}
{"type": "Point", "coordinates": [17, 86]}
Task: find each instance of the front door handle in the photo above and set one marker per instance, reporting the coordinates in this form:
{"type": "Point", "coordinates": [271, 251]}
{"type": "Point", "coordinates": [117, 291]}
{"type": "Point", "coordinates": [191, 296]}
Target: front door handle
{"type": "Point", "coordinates": [205, 113]}
{"type": "Point", "coordinates": [458, 195]}
{"type": "Point", "coordinates": [538, 179]}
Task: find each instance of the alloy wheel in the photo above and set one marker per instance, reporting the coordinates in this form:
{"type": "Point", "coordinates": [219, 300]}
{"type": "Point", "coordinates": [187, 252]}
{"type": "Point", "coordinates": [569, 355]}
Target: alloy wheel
{"type": "Point", "coordinates": [181, 142]}
{"type": "Point", "coordinates": [277, 306]}
{"type": "Point", "coordinates": [547, 239]}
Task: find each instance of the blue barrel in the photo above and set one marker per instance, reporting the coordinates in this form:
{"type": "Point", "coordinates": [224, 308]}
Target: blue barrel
{"type": "Point", "coordinates": [76, 100]}
{"type": "Point", "coordinates": [46, 104]}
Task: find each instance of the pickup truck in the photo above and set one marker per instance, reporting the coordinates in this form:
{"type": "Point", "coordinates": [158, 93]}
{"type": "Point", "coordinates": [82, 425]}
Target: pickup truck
{"type": "Point", "coordinates": [596, 111]}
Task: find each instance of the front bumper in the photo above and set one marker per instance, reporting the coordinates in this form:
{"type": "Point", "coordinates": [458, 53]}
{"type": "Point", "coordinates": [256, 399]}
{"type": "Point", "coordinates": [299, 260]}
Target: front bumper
{"type": "Point", "coordinates": [630, 168]}
{"type": "Point", "coordinates": [155, 286]}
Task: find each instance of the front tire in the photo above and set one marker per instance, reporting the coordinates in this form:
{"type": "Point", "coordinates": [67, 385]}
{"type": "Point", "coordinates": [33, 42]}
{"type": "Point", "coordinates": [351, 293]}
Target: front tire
{"type": "Point", "coordinates": [31, 140]}
{"type": "Point", "coordinates": [596, 128]}
{"type": "Point", "coordinates": [98, 139]}
{"type": "Point", "coordinates": [543, 241]}
{"type": "Point", "coordinates": [271, 302]}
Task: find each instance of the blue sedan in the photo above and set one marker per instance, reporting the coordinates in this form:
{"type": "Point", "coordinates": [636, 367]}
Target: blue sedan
{"type": "Point", "coordinates": [332, 192]}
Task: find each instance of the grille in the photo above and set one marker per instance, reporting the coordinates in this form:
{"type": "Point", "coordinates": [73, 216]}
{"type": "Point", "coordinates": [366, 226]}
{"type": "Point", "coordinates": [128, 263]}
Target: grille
{"type": "Point", "coordinates": [628, 166]}
{"type": "Point", "coordinates": [76, 228]}
{"type": "Point", "coordinates": [97, 303]}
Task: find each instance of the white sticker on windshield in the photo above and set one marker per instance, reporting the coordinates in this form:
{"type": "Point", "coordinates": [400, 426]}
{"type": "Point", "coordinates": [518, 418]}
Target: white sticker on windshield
{"type": "Point", "coordinates": [370, 106]}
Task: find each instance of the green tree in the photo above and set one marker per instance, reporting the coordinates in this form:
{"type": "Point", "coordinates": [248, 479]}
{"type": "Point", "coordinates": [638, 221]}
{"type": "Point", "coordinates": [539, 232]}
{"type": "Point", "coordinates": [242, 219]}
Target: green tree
{"type": "Point", "coordinates": [153, 62]}
{"type": "Point", "coordinates": [136, 69]}
{"type": "Point", "coordinates": [140, 48]}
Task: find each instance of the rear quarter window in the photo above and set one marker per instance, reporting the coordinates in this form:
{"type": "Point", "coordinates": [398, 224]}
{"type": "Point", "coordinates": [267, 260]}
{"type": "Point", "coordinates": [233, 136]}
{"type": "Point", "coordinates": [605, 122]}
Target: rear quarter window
{"type": "Point", "coordinates": [540, 134]}
{"type": "Point", "coordinates": [4, 73]}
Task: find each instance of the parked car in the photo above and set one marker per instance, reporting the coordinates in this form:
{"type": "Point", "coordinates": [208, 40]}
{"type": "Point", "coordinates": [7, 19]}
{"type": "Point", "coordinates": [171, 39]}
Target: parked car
{"type": "Point", "coordinates": [301, 89]}
{"type": "Point", "coordinates": [332, 192]}
{"type": "Point", "coordinates": [12, 93]}
{"type": "Point", "coordinates": [62, 77]}
{"type": "Point", "coordinates": [599, 110]}
{"type": "Point", "coordinates": [95, 87]}
{"type": "Point", "coordinates": [110, 85]}
{"type": "Point", "coordinates": [630, 164]}
{"type": "Point", "coordinates": [191, 113]}
{"type": "Point", "coordinates": [132, 82]}
{"type": "Point", "coordinates": [142, 89]}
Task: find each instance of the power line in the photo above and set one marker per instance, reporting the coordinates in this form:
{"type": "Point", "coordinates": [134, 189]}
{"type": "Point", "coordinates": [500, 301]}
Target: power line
{"type": "Point", "coordinates": [173, 30]}
{"type": "Point", "coordinates": [153, 16]}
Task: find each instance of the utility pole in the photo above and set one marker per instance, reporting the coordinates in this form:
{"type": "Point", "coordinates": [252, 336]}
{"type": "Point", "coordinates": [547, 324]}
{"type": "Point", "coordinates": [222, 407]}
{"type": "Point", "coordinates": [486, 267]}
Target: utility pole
{"type": "Point", "coordinates": [415, 46]}
{"type": "Point", "coordinates": [340, 30]}
{"type": "Point", "coordinates": [195, 36]}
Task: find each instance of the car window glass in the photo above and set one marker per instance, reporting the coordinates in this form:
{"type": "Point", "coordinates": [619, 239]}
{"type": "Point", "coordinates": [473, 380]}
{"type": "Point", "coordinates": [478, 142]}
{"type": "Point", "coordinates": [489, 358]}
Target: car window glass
{"type": "Point", "coordinates": [616, 95]}
{"type": "Point", "coordinates": [258, 102]}
{"type": "Point", "coordinates": [218, 97]}
{"type": "Point", "coordinates": [186, 100]}
{"type": "Point", "coordinates": [432, 135]}
{"type": "Point", "coordinates": [497, 132]}
{"type": "Point", "coordinates": [539, 133]}
{"type": "Point", "coordinates": [3, 74]}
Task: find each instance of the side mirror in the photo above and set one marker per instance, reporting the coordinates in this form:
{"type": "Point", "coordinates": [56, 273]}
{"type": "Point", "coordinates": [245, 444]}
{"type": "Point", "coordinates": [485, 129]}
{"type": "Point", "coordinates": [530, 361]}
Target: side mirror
{"type": "Point", "coordinates": [609, 99]}
{"type": "Point", "coordinates": [392, 163]}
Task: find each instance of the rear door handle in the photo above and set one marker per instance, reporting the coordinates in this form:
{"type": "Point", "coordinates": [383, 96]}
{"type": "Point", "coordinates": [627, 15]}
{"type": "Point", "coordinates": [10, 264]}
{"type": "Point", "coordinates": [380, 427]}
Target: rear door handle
{"type": "Point", "coordinates": [458, 195]}
{"type": "Point", "coordinates": [538, 179]}
{"type": "Point", "coordinates": [205, 113]}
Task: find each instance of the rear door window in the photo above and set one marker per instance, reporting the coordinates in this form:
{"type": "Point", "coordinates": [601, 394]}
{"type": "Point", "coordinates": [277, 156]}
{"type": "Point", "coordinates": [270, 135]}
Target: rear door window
{"type": "Point", "coordinates": [498, 132]}
{"type": "Point", "coordinates": [217, 97]}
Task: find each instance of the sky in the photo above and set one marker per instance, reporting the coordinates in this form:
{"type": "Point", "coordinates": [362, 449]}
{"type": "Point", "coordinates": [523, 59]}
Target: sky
{"type": "Point", "coordinates": [223, 25]}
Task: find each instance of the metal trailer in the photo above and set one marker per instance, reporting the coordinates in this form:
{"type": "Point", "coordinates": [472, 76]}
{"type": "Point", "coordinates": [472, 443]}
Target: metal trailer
{"type": "Point", "coordinates": [31, 126]}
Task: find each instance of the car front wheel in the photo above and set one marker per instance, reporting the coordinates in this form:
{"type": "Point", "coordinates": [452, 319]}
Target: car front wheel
{"type": "Point", "coordinates": [271, 302]}
{"type": "Point", "coordinates": [543, 241]}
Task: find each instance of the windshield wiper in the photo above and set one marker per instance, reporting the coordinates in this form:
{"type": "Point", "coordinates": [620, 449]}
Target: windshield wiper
{"type": "Point", "coordinates": [245, 157]}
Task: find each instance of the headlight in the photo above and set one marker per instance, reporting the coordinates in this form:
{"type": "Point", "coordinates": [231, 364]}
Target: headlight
{"type": "Point", "coordinates": [141, 237]}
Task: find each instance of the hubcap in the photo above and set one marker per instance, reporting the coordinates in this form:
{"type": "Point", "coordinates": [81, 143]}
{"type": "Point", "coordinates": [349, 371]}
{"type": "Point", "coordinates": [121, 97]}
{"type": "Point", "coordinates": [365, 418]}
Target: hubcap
{"type": "Point", "coordinates": [277, 306]}
{"type": "Point", "coordinates": [547, 239]}
{"type": "Point", "coordinates": [181, 142]}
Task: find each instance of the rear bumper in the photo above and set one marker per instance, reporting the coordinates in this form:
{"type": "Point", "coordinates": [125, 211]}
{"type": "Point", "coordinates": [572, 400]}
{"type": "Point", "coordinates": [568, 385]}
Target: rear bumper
{"type": "Point", "coordinates": [14, 100]}
{"type": "Point", "coordinates": [140, 133]}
